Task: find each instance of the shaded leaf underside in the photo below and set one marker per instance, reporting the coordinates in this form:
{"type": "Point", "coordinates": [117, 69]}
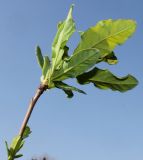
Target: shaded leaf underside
{"type": "Point", "coordinates": [104, 79]}
{"type": "Point", "coordinates": [68, 89]}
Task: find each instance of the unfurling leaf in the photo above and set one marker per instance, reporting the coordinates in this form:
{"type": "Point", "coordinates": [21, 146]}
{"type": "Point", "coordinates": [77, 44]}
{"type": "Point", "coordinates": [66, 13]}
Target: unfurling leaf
{"type": "Point", "coordinates": [77, 64]}
{"type": "Point", "coordinates": [67, 88]}
{"type": "Point", "coordinates": [65, 30]}
{"type": "Point", "coordinates": [16, 145]}
{"type": "Point", "coordinates": [106, 35]}
{"type": "Point", "coordinates": [104, 79]}
{"type": "Point", "coordinates": [26, 133]}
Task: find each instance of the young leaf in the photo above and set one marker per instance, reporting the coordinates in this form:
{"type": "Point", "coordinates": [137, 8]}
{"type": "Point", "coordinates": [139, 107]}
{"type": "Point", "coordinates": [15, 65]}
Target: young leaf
{"type": "Point", "coordinates": [65, 30]}
{"type": "Point", "coordinates": [16, 145]}
{"type": "Point", "coordinates": [67, 88]}
{"type": "Point", "coordinates": [26, 133]}
{"type": "Point", "coordinates": [39, 56]}
{"type": "Point", "coordinates": [77, 64]}
{"type": "Point", "coordinates": [46, 66]}
{"type": "Point", "coordinates": [104, 79]}
{"type": "Point", "coordinates": [65, 57]}
{"type": "Point", "coordinates": [106, 35]}
{"type": "Point", "coordinates": [18, 156]}
{"type": "Point", "coordinates": [6, 144]}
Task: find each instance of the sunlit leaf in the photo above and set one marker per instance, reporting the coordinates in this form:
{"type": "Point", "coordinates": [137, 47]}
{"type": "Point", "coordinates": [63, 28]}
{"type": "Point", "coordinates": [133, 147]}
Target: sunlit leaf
{"type": "Point", "coordinates": [106, 35]}
{"type": "Point", "coordinates": [77, 64]}
{"type": "Point", "coordinates": [65, 30]}
{"type": "Point", "coordinates": [46, 65]}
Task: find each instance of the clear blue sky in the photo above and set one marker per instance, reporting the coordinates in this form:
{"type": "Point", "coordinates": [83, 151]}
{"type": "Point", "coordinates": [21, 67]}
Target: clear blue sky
{"type": "Point", "coordinates": [103, 125]}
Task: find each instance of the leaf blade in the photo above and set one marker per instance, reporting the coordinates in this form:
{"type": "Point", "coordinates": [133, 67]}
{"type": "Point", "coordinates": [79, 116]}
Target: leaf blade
{"type": "Point", "coordinates": [39, 56]}
{"type": "Point", "coordinates": [65, 30]}
{"type": "Point", "coordinates": [106, 35]}
{"type": "Point", "coordinates": [46, 65]}
{"type": "Point", "coordinates": [67, 88]}
{"type": "Point", "coordinates": [77, 64]}
{"type": "Point", "coordinates": [104, 79]}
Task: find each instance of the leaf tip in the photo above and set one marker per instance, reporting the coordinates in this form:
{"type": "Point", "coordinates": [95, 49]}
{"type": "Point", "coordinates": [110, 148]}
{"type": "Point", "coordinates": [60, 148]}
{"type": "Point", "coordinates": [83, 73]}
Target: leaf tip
{"type": "Point", "coordinates": [71, 10]}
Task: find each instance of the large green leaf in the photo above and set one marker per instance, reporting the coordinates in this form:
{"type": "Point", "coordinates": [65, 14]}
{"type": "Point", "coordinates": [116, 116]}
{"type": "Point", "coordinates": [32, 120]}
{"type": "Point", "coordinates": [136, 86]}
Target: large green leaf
{"type": "Point", "coordinates": [67, 88]}
{"type": "Point", "coordinates": [65, 30]}
{"type": "Point", "coordinates": [77, 64]}
{"type": "Point", "coordinates": [106, 35]}
{"type": "Point", "coordinates": [104, 79]}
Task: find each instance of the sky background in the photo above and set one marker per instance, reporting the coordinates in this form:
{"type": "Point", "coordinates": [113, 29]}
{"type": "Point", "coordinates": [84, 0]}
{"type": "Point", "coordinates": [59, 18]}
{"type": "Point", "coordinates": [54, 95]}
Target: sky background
{"type": "Point", "coordinates": [102, 125]}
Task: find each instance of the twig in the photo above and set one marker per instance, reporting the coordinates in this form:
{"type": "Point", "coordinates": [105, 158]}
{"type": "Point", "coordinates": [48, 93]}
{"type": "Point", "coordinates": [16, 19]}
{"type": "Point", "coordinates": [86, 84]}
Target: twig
{"type": "Point", "coordinates": [33, 101]}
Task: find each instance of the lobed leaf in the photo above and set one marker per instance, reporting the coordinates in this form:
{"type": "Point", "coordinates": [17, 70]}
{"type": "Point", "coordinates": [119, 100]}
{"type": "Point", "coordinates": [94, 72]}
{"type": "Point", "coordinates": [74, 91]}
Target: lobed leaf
{"type": "Point", "coordinates": [104, 79]}
{"type": "Point", "coordinates": [106, 35]}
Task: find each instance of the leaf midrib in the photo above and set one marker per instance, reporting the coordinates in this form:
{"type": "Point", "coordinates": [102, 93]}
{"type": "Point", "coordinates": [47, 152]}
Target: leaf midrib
{"type": "Point", "coordinates": [67, 70]}
{"type": "Point", "coordinates": [127, 28]}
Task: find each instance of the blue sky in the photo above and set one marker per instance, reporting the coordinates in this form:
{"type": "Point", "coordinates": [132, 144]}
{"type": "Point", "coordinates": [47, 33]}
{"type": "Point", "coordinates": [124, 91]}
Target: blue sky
{"type": "Point", "coordinates": [102, 125]}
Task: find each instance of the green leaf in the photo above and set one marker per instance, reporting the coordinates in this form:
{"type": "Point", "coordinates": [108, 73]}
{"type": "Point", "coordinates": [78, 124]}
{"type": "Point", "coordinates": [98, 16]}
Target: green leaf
{"type": "Point", "coordinates": [67, 88]}
{"type": "Point", "coordinates": [39, 56]}
{"type": "Point", "coordinates": [68, 92]}
{"type": "Point", "coordinates": [104, 79]}
{"type": "Point", "coordinates": [65, 57]}
{"type": "Point", "coordinates": [106, 35]}
{"type": "Point", "coordinates": [65, 30]}
{"type": "Point", "coordinates": [77, 64]}
{"type": "Point", "coordinates": [17, 144]}
{"type": "Point", "coordinates": [26, 133]}
{"type": "Point", "coordinates": [6, 144]}
{"type": "Point", "coordinates": [18, 156]}
{"type": "Point", "coordinates": [46, 65]}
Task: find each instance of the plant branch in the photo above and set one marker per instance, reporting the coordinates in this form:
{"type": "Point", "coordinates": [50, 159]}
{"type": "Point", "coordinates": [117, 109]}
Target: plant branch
{"type": "Point", "coordinates": [33, 101]}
